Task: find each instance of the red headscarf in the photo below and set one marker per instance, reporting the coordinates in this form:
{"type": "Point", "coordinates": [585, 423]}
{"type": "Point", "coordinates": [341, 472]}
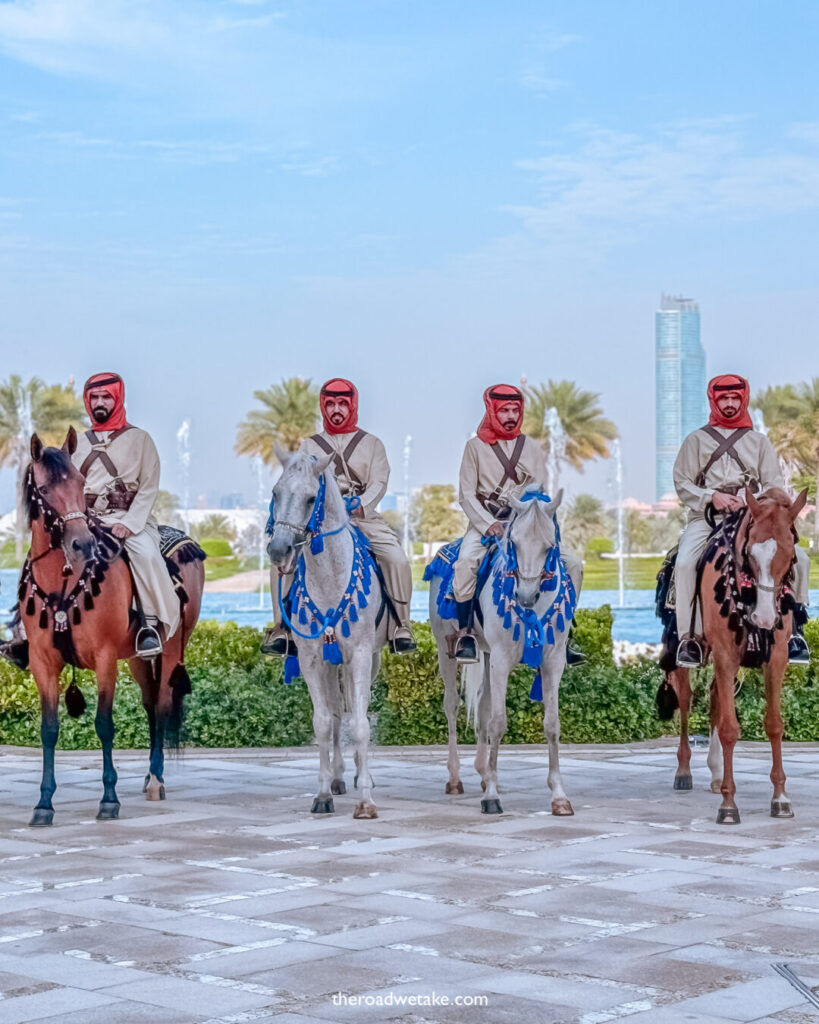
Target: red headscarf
{"type": "Point", "coordinates": [491, 429]}
{"type": "Point", "coordinates": [720, 386]}
{"type": "Point", "coordinates": [338, 387]}
{"type": "Point", "coordinates": [111, 382]}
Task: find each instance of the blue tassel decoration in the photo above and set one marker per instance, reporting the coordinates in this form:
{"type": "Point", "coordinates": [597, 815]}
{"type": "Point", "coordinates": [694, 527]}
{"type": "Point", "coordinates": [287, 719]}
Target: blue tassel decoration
{"type": "Point", "coordinates": [362, 600]}
{"type": "Point", "coordinates": [561, 625]}
{"type": "Point", "coordinates": [345, 628]}
{"type": "Point", "coordinates": [302, 616]}
{"type": "Point", "coordinates": [550, 636]}
{"type": "Point", "coordinates": [507, 621]}
{"type": "Point", "coordinates": [516, 633]}
{"type": "Point", "coordinates": [332, 652]}
{"type": "Point", "coordinates": [317, 544]}
{"type": "Point", "coordinates": [352, 613]}
{"type": "Point", "coordinates": [291, 668]}
{"type": "Point", "coordinates": [532, 656]}
{"type": "Point", "coordinates": [536, 693]}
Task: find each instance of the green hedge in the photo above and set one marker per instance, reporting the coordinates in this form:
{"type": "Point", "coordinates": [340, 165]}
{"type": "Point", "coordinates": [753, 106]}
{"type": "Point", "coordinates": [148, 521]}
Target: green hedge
{"type": "Point", "coordinates": [239, 699]}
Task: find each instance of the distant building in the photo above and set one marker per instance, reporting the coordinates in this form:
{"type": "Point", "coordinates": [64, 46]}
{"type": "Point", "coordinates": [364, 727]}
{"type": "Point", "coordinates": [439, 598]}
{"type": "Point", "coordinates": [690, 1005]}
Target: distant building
{"type": "Point", "coordinates": [680, 400]}
{"type": "Point", "coordinates": [233, 500]}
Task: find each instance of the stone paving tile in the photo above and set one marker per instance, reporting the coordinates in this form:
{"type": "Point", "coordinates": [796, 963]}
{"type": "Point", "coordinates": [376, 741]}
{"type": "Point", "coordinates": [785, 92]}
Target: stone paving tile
{"type": "Point", "coordinates": [230, 903]}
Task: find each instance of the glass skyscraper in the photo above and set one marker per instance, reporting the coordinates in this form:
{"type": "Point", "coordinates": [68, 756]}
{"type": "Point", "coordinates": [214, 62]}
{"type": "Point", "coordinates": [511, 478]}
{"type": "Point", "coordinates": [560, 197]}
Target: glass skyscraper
{"type": "Point", "coordinates": [681, 402]}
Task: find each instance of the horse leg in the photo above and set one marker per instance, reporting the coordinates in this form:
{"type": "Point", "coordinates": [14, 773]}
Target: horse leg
{"type": "Point", "coordinates": [361, 683]}
{"type": "Point", "coordinates": [337, 786]}
{"type": "Point", "coordinates": [452, 703]}
{"type": "Point", "coordinates": [774, 671]}
{"type": "Point", "coordinates": [104, 725]}
{"type": "Point", "coordinates": [323, 732]}
{"type": "Point", "coordinates": [482, 711]}
{"type": "Point", "coordinates": [728, 726]}
{"type": "Point", "coordinates": [551, 671]}
{"type": "Point", "coordinates": [49, 732]}
{"type": "Point", "coordinates": [496, 729]}
{"type": "Point", "coordinates": [682, 687]}
{"type": "Point", "coordinates": [714, 759]}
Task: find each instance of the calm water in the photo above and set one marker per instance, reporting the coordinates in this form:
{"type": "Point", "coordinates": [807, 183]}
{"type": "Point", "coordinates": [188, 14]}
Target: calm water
{"type": "Point", "coordinates": [635, 622]}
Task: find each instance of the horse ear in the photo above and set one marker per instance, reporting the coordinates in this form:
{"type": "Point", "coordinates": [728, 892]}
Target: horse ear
{"type": "Point", "coordinates": [555, 503]}
{"type": "Point", "coordinates": [36, 448]}
{"type": "Point", "coordinates": [283, 456]}
{"type": "Point", "coordinates": [752, 503]}
{"type": "Point", "coordinates": [323, 464]}
{"type": "Point", "coordinates": [799, 504]}
{"type": "Point", "coordinates": [70, 444]}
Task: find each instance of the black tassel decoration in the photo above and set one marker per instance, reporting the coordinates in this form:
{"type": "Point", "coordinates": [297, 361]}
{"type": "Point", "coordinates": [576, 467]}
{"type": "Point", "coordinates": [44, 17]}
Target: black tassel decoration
{"type": "Point", "coordinates": [77, 615]}
{"type": "Point", "coordinates": [30, 605]}
{"type": "Point", "coordinates": [733, 622]}
{"type": "Point", "coordinates": [95, 587]}
{"type": "Point", "coordinates": [88, 601]}
{"type": "Point", "coordinates": [44, 619]}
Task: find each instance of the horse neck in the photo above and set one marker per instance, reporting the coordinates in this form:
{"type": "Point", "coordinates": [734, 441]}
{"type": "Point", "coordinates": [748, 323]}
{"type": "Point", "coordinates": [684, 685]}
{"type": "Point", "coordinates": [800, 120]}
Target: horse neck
{"type": "Point", "coordinates": [328, 573]}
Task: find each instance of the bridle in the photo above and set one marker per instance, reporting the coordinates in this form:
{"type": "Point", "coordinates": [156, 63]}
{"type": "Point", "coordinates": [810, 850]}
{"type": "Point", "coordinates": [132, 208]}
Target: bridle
{"type": "Point", "coordinates": [312, 530]}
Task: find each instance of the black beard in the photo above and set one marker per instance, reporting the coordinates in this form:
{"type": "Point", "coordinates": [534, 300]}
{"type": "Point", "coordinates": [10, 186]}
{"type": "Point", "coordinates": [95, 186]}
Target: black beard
{"type": "Point", "coordinates": [101, 414]}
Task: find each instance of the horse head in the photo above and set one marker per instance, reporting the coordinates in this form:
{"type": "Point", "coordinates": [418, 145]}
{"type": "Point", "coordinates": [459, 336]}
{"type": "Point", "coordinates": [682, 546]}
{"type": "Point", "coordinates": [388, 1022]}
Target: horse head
{"type": "Point", "coordinates": [771, 546]}
{"type": "Point", "coordinates": [294, 501]}
{"type": "Point", "coordinates": [56, 491]}
{"type": "Point", "coordinates": [532, 532]}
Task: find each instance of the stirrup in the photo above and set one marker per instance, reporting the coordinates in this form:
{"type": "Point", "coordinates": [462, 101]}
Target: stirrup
{"type": "Point", "coordinates": [278, 642]}
{"type": "Point", "coordinates": [148, 642]}
{"type": "Point", "coordinates": [798, 650]}
{"type": "Point", "coordinates": [463, 647]}
{"type": "Point", "coordinates": [403, 641]}
{"type": "Point", "coordinates": [690, 653]}
{"type": "Point", "coordinates": [574, 658]}
{"type": "Point", "coordinates": [15, 651]}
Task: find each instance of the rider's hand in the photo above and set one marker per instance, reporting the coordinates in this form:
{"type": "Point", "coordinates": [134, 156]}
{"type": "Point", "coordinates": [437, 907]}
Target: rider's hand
{"type": "Point", "coordinates": [495, 530]}
{"type": "Point", "coordinates": [358, 512]}
{"type": "Point", "coordinates": [121, 531]}
{"type": "Point", "coordinates": [726, 502]}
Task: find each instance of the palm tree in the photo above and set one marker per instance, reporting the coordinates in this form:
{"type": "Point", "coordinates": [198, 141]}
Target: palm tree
{"type": "Point", "coordinates": [289, 414]}
{"type": "Point", "coordinates": [791, 414]}
{"type": "Point", "coordinates": [585, 518]}
{"type": "Point", "coordinates": [586, 432]}
{"type": "Point", "coordinates": [26, 408]}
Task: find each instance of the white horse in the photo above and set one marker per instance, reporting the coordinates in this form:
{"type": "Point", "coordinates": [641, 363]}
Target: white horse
{"type": "Point", "coordinates": [338, 622]}
{"type": "Point", "coordinates": [518, 575]}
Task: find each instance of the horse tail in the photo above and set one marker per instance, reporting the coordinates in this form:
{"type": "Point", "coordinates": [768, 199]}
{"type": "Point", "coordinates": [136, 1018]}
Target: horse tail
{"type": "Point", "coordinates": [74, 700]}
{"type": "Point", "coordinates": [667, 701]}
{"type": "Point", "coordinates": [180, 684]}
{"type": "Point", "coordinates": [472, 684]}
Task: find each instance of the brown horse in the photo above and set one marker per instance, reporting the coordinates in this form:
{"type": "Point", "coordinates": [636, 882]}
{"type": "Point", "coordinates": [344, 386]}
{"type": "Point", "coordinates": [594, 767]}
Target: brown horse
{"type": "Point", "coordinates": [75, 602]}
{"type": "Point", "coordinates": [747, 620]}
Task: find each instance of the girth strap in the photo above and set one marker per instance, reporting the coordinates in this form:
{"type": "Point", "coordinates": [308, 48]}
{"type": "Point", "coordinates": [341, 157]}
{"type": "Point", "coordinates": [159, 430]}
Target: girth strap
{"type": "Point", "coordinates": [100, 453]}
{"type": "Point", "coordinates": [725, 446]}
{"type": "Point", "coordinates": [341, 459]}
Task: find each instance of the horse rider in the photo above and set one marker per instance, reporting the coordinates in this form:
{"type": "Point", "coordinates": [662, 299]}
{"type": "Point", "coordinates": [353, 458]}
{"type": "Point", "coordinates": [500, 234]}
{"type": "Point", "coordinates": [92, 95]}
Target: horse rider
{"type": "Point", "coordinates": [498, 464]}
{"type": "Point", "coordinates": [714, 466]}
{"type": "Point", "coordinates": [120, 464]}
{"type": "Point", "coordinates": [362, 473]}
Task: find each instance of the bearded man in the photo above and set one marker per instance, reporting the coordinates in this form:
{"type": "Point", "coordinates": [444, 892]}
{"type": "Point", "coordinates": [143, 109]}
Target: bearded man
{"type": "Point", "coordinates": [498, 464]}
{"type": "Point", "coordinates": [362, 473]}
{"type": "Point", "coordinates": [714, 466]}
{"type": "Point", "coordinates": [120, 464]}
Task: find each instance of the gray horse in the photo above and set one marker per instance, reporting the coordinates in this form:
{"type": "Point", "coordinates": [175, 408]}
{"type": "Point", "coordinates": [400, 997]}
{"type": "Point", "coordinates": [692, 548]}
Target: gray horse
{"type": "Point", "coordinates": [531, 535]}
{"type": "Point", "coordinates": [339, 629]}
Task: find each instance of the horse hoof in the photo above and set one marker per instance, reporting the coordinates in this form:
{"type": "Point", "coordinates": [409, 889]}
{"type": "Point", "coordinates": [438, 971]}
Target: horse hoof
{"type": "Point", "coordinates": [454, 787]}
{"type": "Point", "coordinates": [156, 792]}
{"type": "Point", "coordinates": [727, 816]}
{"type": "Point", "coordinates": [108, 810]}
{"type": "Point", "coordinates": [42, 816]}
{"type": "Point", "coordinates": [716, 786]}
{"type": "Point", "coordinates": [781, 809]}
{"type": "Point", "coordinates": [337, 787]}
{"type": "Point", "coordinates": [355, 782]}
{"type": "Point", "coordinates": [365, 810]}
{"type": "Point", "coordinates": [491, 806]}
{"type": "Point", "coordinates": [562, 808]}
{"type": "Point", "coordinates": [145, 784]}
{"type": "Point", "coordinates": [683, 782]}
{"type": "Point", "coordinates": [323, 805]}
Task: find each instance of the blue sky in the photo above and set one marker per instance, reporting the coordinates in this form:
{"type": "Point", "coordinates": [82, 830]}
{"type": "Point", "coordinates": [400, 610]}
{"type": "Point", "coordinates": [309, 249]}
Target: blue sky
{"type": "Point", "coordinates": [425, 197]}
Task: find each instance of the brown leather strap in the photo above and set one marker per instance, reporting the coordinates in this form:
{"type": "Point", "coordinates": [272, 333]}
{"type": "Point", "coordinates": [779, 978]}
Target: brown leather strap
{"type": "Point", "coordinates": [725, 446]}
{"type": "Point", "coordinates": [103, 456]}
{"type": "Point", "coordinates": [510, 464]}
{"type": "Point", "coordinates": [340, 459]}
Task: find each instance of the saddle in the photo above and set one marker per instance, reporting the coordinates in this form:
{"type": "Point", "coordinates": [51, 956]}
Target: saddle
{"type": "Point", "coordinates": [443, 566]}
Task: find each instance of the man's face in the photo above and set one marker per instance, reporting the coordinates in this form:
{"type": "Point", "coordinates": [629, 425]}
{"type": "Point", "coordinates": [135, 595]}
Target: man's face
{"type": "Point", "coordinates": [337, 410]}
{"type": "Point", "coordinates": [729, 403]}
{"type": "Point", "coordinates": [102, 404]}
{"type": "Point", "coordinates": [509, 414]}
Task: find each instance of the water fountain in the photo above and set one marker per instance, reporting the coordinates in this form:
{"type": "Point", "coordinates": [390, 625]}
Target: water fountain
{"type": "Point", "coordinates": [183, 453]}
{"type": "Point", "coordinates": [407, 452]}
{"type": "Point", "coordinates": [261, 494]}
{"type": "Point", "coordinates": [617, 456]}
{"type": "Point", "coordinates": [557, 449]}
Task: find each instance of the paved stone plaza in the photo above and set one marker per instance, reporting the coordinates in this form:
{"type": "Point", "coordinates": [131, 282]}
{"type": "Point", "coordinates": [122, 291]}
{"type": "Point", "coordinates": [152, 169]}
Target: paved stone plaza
{"type": "Point", "coordinates": [230, 903]}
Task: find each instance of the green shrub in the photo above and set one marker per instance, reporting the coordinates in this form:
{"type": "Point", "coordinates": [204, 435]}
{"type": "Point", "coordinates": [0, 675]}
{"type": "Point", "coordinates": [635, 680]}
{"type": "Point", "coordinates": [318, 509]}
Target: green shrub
{"type": "Point", "coordinates": [216, 547]}
{"type": "Point", "coordinates": [597, 546]}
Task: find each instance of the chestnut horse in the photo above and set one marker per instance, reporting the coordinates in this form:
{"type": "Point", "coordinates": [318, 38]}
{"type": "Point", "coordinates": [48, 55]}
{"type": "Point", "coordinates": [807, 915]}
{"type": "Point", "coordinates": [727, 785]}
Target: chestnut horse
{"type": "Point", "coordinates": [75, 603]}
{"type": "Point", "coordinates": [746, 619]}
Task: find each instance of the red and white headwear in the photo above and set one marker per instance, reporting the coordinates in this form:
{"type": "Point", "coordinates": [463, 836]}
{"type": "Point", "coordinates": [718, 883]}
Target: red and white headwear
{"type": "Point", "coordinates": [491, 429]}
{"type": "Point", "coordinates": [338, 387]}
{"type": "Point", "coordinates": [723, 385]}
{"type": "Point", "coordinates": [113, 384]}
